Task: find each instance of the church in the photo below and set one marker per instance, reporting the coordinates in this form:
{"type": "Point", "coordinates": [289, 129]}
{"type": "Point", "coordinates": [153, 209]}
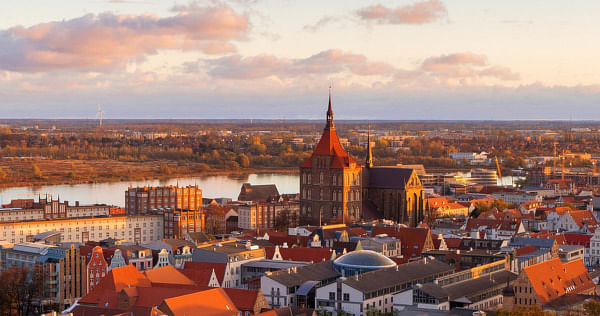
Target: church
{"type": "Point", "coordinates": [334, 188]}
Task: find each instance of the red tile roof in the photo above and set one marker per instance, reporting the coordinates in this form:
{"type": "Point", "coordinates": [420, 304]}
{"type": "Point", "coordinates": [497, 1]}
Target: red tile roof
{"type": "Point", "coordinates": [218, 267]}
{"type": "Point", "coordinates": [244, 300]}
{"type": "Point", "coordinates": [116, 280]}
{"type": "Point", "coordinates": [413, 240]}
{"type": "Point", "coordinates": [301, 254]}
{"type": "Point", "coordinates": [525, 250]}
{"type": "Point", "coordinates": [329, 145]}
{"type": "Point", "coordinates": [168, 275]}
{"type": "Point", "coordinates": [214, 302]}
{"type": "Point", "coordinates": [551, 279]}
{"type": "Point", "coordinates": [200, 276]}
{"type": "Point", "coordinates": [577, 239]}
{"type": "Point", "coordinates": [453, 243]}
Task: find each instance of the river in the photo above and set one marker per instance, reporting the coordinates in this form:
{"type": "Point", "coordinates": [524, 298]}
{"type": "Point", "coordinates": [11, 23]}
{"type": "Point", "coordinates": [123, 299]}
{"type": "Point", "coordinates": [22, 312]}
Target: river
{"type": "Point", "coordinates": [113, 193]}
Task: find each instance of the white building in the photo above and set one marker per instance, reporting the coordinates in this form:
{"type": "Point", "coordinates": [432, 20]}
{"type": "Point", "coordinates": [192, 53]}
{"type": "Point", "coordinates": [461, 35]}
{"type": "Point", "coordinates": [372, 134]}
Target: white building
{"type": "Point", "coordinates": [142, 228]}
{"type": "Point", "coordinates": [517, 197]}
{"type": "Point", "coordinates": [374, 291]}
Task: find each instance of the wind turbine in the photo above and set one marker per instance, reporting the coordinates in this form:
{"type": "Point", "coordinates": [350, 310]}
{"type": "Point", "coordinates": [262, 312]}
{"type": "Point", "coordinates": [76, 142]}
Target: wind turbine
{"type": "Point", "coordinates": [99, 115]}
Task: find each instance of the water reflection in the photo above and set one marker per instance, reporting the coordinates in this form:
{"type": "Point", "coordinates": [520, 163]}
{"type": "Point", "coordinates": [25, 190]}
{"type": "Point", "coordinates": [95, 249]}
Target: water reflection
{"type": "Point", "coordinates": [114, 192]}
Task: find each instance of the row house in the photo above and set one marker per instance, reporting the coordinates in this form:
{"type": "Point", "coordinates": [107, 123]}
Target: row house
{"type": "Point", "coordinates": [494, 228]}
{"type": "Point", "coordinates": [232, 253]}
{"type": "Point", "coordinates": [179, 251]}
{"type": "Point", "coordinates": [582, 221]}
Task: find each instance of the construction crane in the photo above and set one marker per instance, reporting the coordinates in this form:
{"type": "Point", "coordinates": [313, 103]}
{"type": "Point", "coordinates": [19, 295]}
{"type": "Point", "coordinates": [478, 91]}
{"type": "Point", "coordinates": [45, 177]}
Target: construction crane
{"type": "Point", "coordinates": [499, 171]}
{"type": "Point", "coordinates": [99, 116]}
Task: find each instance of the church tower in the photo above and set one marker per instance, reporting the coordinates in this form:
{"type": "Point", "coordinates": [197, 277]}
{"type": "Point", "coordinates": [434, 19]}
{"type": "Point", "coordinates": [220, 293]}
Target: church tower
{"type": "Point", "coordinates": [330, 181]}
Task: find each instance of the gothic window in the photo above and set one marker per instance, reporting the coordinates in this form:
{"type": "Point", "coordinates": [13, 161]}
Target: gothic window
{"type": "Point", "coordinates": [321, 177]}
{"type": "Point", "coordinates": [321, 194]}
{"type": "Point", "coordinates": [334, 180]}
{"type": "Point", "coordinates": [309, 178]}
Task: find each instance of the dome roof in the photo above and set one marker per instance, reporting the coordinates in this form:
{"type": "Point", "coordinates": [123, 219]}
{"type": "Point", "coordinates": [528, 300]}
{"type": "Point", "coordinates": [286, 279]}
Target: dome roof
{"type": "Point", "coordinates": [364, 259]}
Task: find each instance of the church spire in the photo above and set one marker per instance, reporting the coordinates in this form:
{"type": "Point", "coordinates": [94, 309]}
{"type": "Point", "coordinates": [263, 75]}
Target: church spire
{"type": "Point", "coordinates": [330, 124]}
{"type": "Point", "coordinates": [369, 161]}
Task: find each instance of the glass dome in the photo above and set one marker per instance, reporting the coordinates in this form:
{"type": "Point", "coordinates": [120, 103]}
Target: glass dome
{"type": "Point", "coordinates": [360, 261]}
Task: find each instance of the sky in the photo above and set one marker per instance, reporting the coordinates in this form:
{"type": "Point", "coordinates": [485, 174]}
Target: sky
{"type": "Point", "coordinates": [275, 59]}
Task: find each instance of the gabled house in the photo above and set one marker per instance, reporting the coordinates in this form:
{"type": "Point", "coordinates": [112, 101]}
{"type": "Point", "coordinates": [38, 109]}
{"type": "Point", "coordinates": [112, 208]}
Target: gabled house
{"type": "Point", "coordinates": [494, 229]}
{"type": "Point", "coordinates": [546, 281]}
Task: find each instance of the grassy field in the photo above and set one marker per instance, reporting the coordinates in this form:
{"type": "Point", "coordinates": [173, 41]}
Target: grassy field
{"type": "Point", "coordinates": [44, 172]}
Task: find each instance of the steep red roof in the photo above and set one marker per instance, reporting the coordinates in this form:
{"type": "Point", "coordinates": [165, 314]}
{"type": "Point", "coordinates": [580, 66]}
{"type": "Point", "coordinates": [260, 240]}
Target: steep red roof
{"type": "Point", "coordinates": [116, 280]}
{"type": "Point", "coordinates": [584, 218]}
{"type": "Point", "coordinates": [329, 145]}
{"type": "Point", "coordinates": [525, 250]}
{"type": "Point", "coordinates": [301, 254]}
{"type": "Point", "coordinates": [551, 279]}
{"type": "Point", "coordinates": [218, 267]}
{"type": "Point", "coordinates": [168, 275]}
{"type": "Point", "coordinates": [413, 240]}
{"type": "Point", "coordinates": [244, 300]}
{"type": "Point", "coordinates": [153, 296]}
{"type": "Point", "coordinates": [303, 241]}
{"type": "Point", "coordinates": [214, 302]}
{"type": "Point", "coordinates": [453, 243]}
{"type": "Point", "coordinates": [577, 239]}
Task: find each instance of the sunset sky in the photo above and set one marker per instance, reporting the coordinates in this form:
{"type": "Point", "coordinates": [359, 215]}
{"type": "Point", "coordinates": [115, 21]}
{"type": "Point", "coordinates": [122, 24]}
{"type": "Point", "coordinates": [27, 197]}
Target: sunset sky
{"type": "Point", "coordinates": [274, 59]}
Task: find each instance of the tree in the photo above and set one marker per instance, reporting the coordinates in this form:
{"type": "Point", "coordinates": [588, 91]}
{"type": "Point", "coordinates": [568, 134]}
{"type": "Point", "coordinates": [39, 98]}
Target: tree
{"type": "Point", "coordinates": [36, 171]}
{"type": "Point", "coordinates": [244, 161]}
{"type": "Point", "coordinates": [19, 287]}
{"type": "Point", "coordinates": [592, 308]}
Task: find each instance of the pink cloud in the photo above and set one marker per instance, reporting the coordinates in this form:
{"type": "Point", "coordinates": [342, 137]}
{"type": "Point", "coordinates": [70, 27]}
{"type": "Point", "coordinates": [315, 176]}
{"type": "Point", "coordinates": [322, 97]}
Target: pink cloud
{"type": "Point", "coordinates": [502, 73]}
{"type": "Point", "coordinates": [106, 41]}
{"type": "Point", "coordinates": [440, 63]}
{"type": "Point", "coordinates": [326, 62]}
{"type": "Point", "coordinates": [417, 13]}
{"type": "Point", "coordinates": [468, 67]}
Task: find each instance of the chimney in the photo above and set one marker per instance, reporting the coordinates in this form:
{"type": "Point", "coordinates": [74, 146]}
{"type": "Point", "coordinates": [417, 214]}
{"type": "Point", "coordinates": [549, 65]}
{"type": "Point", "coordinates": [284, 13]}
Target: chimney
{"type": "Point", "coordinates": [76, 203]}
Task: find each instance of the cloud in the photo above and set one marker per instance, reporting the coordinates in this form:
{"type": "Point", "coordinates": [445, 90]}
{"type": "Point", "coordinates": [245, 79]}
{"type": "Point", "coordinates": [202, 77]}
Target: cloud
{"type": "Point", "coordinates": [468, 67]}
{"type": "Point", "coordinates": [320, 24]}
{"type": "Point", "coordinates": [442, 62]}
{"type": "Point", "coordinates": [502, 73]}
{"type": "Point", "coordinates": [106, 41]}
{"type": "Point", "coordinates": [418, 13]}
{"type": "Point", "coordinates": [261, 66]}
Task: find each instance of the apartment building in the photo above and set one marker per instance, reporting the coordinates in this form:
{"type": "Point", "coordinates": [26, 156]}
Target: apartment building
{"type": "Point", "coordinates": [179, 222]}
{"type": "Point", "coordinates": [265, 215]}
{"type": "Point", "coordinates": [61, 270]}
{"type": "Point", "coordinates": [143, 200]}
{"type": "Point", "coordinates": [143, 228]}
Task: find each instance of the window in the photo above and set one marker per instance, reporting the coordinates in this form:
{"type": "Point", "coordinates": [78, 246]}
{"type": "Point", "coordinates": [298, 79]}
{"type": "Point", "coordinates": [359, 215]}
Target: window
{"type": "Point", "coordinates": [332, 296]}
{"type": "Point", "coordinates": [346, 297]}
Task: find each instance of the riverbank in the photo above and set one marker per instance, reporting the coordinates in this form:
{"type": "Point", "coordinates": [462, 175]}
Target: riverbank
{"type": "Point", "coordinates": [38, 172]}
